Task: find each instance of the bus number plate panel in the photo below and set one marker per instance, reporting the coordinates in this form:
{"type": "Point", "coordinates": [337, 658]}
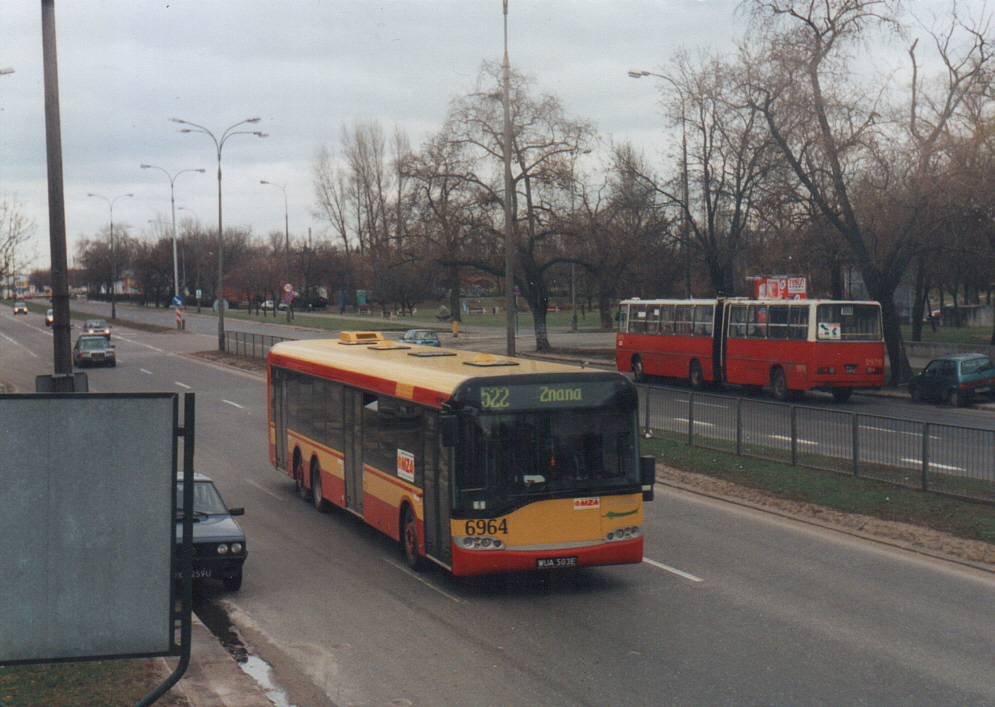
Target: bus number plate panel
{"type": "Point", "coordinates": [544, 563]}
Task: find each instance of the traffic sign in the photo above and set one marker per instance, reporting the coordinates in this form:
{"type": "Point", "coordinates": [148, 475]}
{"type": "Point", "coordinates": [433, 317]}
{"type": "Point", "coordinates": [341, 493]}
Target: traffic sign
{"type": "Point", "coordinates": [177, 301]}
{"type": "Point", "coordinates": [288, 288]}
{"type": "Point", "coordinates": [289, 297]}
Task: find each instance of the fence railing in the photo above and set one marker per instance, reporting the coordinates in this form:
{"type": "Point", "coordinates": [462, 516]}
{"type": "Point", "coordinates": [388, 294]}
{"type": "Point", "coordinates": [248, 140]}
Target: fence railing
{"type": "Point", "coordinates": [254, 345]}
{"type": "Point", "coordinates": [930, 456]}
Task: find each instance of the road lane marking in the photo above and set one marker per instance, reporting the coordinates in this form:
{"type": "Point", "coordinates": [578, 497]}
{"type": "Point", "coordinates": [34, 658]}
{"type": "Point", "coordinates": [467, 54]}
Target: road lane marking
{"type": "Point", "coordinates": [424, 581]}
{"type": "Point", "coordinates": [696, 422]}
{"type": "Point", "coordinates": [182, 385]}
{"type": "Point", "coordinates": [240, 407]}
{"type": "Point", "coordinates": [141, 343]}
{"type": "Point", "coordinates": [933, 465]}
{"type": "Point", "coordinates": [19, 344]}
{"type": "Point", "coordinates": [265, 490]}
{"type": "Point", "coordinates": [672, 570]}
{"type": "Point", "coordinates": [896, 432]}
{"type": "Point", "coordinates": [784, 438]}
{"type": "Point", "coordinates": [144, 371]}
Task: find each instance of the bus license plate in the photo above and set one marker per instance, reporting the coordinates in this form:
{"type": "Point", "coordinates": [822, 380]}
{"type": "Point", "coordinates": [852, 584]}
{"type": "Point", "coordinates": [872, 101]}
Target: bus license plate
{"type": "Point", "coordinates": [544, 563]}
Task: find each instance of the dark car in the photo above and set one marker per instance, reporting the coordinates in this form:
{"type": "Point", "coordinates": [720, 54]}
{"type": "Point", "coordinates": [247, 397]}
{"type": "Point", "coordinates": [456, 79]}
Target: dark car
{"type": "Point", "coordinates": [424, 337]}
{"type": "Point", "coordinates": [97, 326]}
{"type": "Point", "coordinates": [956, 379]}
{"type": "Point", "coordinates": [93, 350]}
{"type": "Point", "coordinates": [219, 543]}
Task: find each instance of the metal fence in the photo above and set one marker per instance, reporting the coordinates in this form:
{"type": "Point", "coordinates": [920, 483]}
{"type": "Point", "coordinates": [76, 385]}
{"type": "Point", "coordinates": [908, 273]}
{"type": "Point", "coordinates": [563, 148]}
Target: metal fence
{"type": "Point", "coordinates": [940, 458]}
{"type": "Point", "coordinates": [254, 345]}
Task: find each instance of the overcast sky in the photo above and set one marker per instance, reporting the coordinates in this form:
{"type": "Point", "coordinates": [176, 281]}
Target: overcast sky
{"type": "Point", "coordinates": [306, 68]}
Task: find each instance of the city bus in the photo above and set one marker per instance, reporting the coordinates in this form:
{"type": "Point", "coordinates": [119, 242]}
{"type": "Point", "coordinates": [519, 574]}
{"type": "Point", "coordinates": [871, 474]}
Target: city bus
{"type": "Point", "coordinates": [790, 345]}
{"type": "Point", "coordinates": [478, 463]}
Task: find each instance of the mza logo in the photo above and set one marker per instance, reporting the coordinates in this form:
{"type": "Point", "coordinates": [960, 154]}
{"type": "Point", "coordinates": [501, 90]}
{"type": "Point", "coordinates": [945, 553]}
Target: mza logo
{"type": "Point", "coordinates": [406, 465]}
{"type": "Point", "coordinates": [582, 503]}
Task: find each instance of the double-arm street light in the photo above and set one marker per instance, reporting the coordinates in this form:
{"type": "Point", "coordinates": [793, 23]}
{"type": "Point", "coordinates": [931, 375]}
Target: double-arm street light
{"type": "Point", "coordinates": [110, 203]}
{"type": "Point", "coordinates": [286, 231]}
{"type": "Point", "coordinates": [172, 203]}
{"type": "Point", "coordinates": [219, 144]}
{"type": "Point", "coordinates": [685, 222]}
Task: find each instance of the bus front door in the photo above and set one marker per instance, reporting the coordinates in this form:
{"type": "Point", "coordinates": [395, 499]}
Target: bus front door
{"type": "Point", "coordinates": [354, 450]}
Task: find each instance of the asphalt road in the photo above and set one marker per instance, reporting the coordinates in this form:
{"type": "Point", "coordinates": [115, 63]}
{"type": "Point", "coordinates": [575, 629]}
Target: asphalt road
{"type": "Point", "coordinates": [731, 607]}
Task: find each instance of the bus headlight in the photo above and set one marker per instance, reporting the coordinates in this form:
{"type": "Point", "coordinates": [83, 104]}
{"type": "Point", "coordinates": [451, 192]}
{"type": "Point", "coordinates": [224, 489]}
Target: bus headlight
{"type": "Point", "coordinates": [473, 542]}
{"type": "Point", "coordinates": [628, 533]}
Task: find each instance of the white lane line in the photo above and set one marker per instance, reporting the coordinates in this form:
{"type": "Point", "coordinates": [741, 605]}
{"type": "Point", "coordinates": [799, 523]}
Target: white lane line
{"type": "Point", "coordinates": [182, 385]}
{"type": "Point", "coordinates": [265, 490]}
{"type": "Point", "coordinates": [696, 422]}
{"type": "Point", "coordinates": [236, 405]}
{"type": "Point", "coordinates": [19, 344]}
{"type": "Point", "coordinates": [896, 432]}
{"type": "Point", "coordinates": [933, 465]}
{"type": "Point", "coordinates": [672, 570]}
{"type": "Point", "coordinates": [145, 372]}
{"type": "Point", "coordinates": [424, 581]}
{"type": "Point", "coordinates": [141, 343]}
{"type": "Point", "coordinates": [784, 438]}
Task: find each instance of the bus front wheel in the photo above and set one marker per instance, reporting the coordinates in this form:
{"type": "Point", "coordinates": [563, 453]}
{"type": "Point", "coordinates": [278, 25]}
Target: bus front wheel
{"type": "Point", "coordinates": [316, 494]}
{"type": "Point", "coordinates": [779, 382]}
{"type": "Point", "coordinates": [696, 378]}
{"type": "Point", "coordinates": [841, 395]}
{"type": "Point", "coordinates": [638, 374]}
{"type": "Point", "coordinates": [409, 539]}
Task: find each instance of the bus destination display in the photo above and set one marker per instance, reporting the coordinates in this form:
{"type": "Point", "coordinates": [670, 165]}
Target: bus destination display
{"type": "Point", "coordinates": [545, 395]}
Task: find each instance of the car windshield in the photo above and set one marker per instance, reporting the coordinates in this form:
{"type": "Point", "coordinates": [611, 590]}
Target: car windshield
{"type": "Point", "coordinates": [206, 499]}
{"type": "Point", "coordinates": [96, 324]}
{"type": "Point", "coordinates": [93, 344]}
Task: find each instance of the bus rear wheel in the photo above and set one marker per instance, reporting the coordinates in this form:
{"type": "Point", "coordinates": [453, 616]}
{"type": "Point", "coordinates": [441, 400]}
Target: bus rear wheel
{"type": "Point", "coordinates": [299, 486]}
{"type": "Point", "coordinates": [779, 382]}
{"type": "Point", "coordinates": [841, 395]}
{"type": "Point", "coordinates": [409, 539]}
{"type": "Point", "coordinates": [316, 495]}
{"type": "Point", "coordinates": [696, 378]}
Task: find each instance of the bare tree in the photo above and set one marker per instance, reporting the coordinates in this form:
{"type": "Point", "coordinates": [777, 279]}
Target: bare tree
{"type": "Point", "coordinates": [15, 231]}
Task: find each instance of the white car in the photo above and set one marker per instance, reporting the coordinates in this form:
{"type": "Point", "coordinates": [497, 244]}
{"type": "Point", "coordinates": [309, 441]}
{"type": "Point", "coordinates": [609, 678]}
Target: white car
{"type": "Point", "coordinates": [20, 308]}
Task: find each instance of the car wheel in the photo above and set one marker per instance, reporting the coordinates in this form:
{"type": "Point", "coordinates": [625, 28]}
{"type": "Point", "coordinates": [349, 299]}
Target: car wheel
{"type": "Point", "coordinates": [316, 494]}
{"type": "Point", "coordinates": [957, 399]}
{"type": "Point", "coordinates": [409, 539]}
{"type": "Point", "coordinates": [915, 394]}
{"type": "Point", "coordinates": [233, 582]}
{"type": "Point", "coordinates": [637, 370]}
{"type": "Point", "coordinates": [779, 383]}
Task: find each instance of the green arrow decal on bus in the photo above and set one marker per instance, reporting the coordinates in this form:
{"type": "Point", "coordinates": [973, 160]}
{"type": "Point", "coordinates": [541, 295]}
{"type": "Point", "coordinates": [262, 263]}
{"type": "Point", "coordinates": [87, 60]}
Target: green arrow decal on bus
{"type": "Point", "coordinates": [613, 514]}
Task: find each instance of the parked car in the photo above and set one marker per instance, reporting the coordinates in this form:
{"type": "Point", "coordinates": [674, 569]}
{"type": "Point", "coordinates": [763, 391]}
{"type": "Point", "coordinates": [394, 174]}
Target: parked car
{"type": "Point", "coordinates": [93, 350]}
{"type": "Point", "coordinates": [424, 337]}
{"type": "Point", "coordinates": [97, 326]}
{"type": "Point", "coordinates": [49, 317]}
{"type": "Point", "coordinates": [219, 543]}
{"type": "Point", "coordinates": [956, 379]}
{"type": "Point", "coordinates": [20, 308]}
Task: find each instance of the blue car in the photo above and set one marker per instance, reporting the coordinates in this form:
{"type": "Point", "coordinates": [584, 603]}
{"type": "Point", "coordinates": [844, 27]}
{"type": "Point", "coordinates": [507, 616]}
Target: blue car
{"type": "Point", "coordinates": [956, 379]}
{"type": "Point", "coordinates": [219, 543]}
{"type": "Point", "coordinates": [423, 337]}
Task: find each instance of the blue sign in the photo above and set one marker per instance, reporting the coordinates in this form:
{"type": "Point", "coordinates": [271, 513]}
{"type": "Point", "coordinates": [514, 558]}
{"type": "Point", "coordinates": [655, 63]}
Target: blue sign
{"type": "Point", "coordinates": [177, 301]}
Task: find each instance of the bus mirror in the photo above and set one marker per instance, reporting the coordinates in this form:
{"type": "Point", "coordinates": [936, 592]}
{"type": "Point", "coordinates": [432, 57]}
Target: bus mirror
{"type": "Point", "coordinates": [647, 476]}
{"type": "Point", "coordinates": [449, 427]}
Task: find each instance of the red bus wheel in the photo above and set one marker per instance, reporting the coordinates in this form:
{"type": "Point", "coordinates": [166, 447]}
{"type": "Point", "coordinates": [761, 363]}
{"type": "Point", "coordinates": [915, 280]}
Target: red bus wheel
{"type": "Point", "coordinates": [779, 383]}
{"type": "Point", "coordinates": [409, 539]}
{"type": "Point", "coordinates": [638, 374]}
{"type": "Point", "coordinates": [299, 485]}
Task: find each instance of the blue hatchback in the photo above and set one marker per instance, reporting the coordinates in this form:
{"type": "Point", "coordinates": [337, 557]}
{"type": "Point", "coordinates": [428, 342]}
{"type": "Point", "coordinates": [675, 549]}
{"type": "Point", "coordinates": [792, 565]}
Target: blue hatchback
{"type": "Point", "coordinates": [423, 337]}
{"type": "Point", "coordinates": [956, 379]}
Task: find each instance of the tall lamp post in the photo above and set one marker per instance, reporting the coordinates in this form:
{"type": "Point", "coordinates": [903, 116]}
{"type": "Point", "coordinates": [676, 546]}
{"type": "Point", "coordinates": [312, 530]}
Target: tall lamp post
{"type": "Point", "coordinates": [286, 231]}
{"type": "Point", "coordinates": [219, 144]}
{"type": "Point", "coordinates": [509, 196]}
{"type": "Point", "coordinates": [110, 203]}
{"type": "Point", "coordinates": [197, 288]}
{"type": "Point", "coordinates": [685, 225]}
{"type": "Point", "coordinates": [172, 204]}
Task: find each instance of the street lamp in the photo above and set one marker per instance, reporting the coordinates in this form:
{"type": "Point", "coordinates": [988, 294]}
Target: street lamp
{"type": "Point", "coordinates": [286, 230]}
{"type": "Point", "coordinates": [685, 225]}
{"type": "Point", "coordinates": [110, 203]}
{"type": "Point", "coordinates": [219, 143]}
{"type": "Point", "coordinates": [172, 203]}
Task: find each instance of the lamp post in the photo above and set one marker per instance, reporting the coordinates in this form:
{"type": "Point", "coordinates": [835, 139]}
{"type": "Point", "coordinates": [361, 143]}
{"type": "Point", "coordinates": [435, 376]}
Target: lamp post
{"type": "Point", "coordinates": [197, 288]}
{"type": "Point", "coordinates": [172, 203]}
{"type": "Point", "coordinates": [219, 143]}
{"type": "Point", "coordinates": [110, 203]}
{"type": "Point", "coordinates": [509, 195]}
{"type": "Point", "coordinates": [286, 231]}
{"type": "Point", "coordinates": [685, 225]}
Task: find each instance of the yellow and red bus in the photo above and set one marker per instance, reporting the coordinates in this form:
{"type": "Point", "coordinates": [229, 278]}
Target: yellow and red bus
{"type": "Point", "coordinates": [791, 345]}
{"type": "Point", "coordinates": [478, 463]}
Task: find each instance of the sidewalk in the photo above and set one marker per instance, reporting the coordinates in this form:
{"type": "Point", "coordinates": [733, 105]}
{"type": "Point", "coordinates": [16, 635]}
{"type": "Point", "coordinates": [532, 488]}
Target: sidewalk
{"type": "Point", "coordinates": [213, 678]}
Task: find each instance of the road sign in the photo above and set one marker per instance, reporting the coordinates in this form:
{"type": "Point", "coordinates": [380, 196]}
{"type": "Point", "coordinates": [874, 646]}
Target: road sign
{"type": "Point", "coordinates": [177, 301]}
{"type": "Point", "coordinates": [288, 288]}
{"type": "Point", "coordinates": [289, 297]}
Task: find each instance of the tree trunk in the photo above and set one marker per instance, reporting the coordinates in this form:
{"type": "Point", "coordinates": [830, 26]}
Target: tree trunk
{"type": "Point", "coordinates": [920, 301]}
{"type": "Point", "coordinates": [605, 307]}
{"type": "Point", "coordinates": [455, 308]}
{"type": "Point", "coordinates": [900, 369]}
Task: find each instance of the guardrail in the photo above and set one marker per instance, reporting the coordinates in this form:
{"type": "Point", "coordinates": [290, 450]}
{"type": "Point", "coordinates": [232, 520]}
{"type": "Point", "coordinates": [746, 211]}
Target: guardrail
{"type": "Point", "coordinates": [254, 345]}
{"type": "Point", "coordinates": [939, 458]}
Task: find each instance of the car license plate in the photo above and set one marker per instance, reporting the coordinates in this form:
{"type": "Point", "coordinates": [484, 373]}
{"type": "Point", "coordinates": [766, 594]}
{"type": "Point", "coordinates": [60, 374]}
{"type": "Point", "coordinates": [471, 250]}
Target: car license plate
{"type": "Point", "coordinates": [544, 563]}
{"type": "Point", "coordinates": [196, 574]}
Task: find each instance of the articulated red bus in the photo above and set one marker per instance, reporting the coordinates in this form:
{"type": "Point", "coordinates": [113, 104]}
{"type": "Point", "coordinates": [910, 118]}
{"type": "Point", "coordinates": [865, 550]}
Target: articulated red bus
{"type": "Point", "coordinates": [478, 463]}
{"type": "Point", "coordinates": [790, 345]}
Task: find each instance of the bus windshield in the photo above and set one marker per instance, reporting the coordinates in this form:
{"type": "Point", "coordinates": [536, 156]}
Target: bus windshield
{"type": "Point", "coordinates": [508, 458]}
{"type": "Point", "coordinates": [848, 322]}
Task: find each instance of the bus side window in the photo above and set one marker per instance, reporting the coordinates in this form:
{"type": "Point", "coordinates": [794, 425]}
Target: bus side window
{"type": "Point", "coordinates": [652, 320]}
{"type": "Point", "coordinates": [778, 325]}
{"type": "Point", "coordinates": [798, 323]}
{"type": "Point", "coordinates": [737, 322]}
{"type": "Point", "coordinates": [637, 324]}
{"type": "Point", "coordinates": [623, 318]}
{"type": "Point", "coordinates": [757, 322]}
{"type": "Point", "coordinates": [667, 319]}
{"type": "Point", "coordinates": [683, 320]}
{"type": "Point", "coordinates": [703, 319]}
